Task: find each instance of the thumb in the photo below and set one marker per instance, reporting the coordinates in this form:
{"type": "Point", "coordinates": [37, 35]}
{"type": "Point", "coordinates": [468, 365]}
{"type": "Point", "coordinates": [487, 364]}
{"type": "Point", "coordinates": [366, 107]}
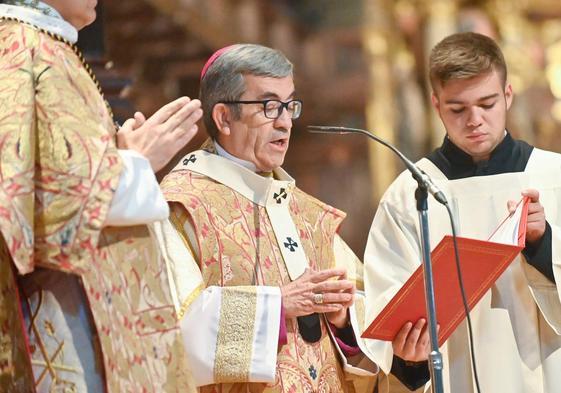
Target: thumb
{"type": "Point", "coordinates": [124, 134]}
{"type": "Point", "coordinates": [127, 126]}
{"type": "Point", "coordinates": [139, 118]}
{"type": "Point", "coordinates": [511, 206]}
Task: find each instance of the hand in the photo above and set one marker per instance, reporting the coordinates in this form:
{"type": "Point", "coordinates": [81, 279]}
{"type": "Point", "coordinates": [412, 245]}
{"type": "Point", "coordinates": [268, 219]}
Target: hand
{"type": "Point", "coordinates": [412, 343]}
{"type": "Point", "coordinates": [166, 132]}
{"type": "Point", "coordinates": [340, 318]}
{"type": "Point", "coordinates": [298, 296]}
{"type": "Point", "coordinates": [536, 216]}
{"type": "Point", "coordinates": [134, 123]}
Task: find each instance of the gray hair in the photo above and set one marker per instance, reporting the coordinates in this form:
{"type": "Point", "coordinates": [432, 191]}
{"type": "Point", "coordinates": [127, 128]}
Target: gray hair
{"type": "Point", "coordinates": [224, 79]}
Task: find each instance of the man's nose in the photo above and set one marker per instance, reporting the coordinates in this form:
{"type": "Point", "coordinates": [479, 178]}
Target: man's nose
{"type": "Point", "coordinates": [284, 121]}
{"type": "Point", "coordinates": [474, 117]}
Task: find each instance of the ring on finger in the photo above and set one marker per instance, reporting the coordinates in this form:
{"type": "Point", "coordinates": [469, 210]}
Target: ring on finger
{"type": "Point", "coordinates": [318, 298]}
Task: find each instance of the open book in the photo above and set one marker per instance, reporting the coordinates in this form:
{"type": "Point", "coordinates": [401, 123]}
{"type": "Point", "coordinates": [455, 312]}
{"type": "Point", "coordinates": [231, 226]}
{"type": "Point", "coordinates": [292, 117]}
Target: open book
{"type": "Point", "coordinates": [482, 262]}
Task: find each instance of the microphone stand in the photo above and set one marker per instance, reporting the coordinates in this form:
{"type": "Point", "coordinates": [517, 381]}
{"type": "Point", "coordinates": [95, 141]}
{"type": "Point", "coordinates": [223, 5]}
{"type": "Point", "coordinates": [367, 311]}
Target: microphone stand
{"type": "Point", "coordinates": [424, 186]}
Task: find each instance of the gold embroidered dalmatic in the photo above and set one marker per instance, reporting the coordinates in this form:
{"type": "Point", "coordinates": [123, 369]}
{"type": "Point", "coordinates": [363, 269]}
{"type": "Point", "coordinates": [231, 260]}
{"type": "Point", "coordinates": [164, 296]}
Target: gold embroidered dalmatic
{"type": "Point", "coordinates": [69, 290]}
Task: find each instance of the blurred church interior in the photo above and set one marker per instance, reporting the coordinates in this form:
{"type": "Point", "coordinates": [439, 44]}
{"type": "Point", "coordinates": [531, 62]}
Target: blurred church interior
{"type": "Point", "coordinates": [358, 63]}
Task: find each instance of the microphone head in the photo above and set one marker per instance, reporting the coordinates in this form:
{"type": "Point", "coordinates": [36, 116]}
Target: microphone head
{"type": "Point", "coordinates": [418, 175]}
{"type": "Point", "coordinates": [328, 130]}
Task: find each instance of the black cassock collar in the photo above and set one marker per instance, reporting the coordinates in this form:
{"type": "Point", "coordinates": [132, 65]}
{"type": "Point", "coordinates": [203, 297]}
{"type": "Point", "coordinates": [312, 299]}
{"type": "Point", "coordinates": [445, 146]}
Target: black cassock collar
{"type": "Point", "coordinates": [509, 156]}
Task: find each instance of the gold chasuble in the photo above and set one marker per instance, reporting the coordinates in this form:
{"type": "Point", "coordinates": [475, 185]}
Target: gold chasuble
{"type": "Point", "coordinates": [81, 309]}
{"type": "Point", "coordinates": [250, 235]}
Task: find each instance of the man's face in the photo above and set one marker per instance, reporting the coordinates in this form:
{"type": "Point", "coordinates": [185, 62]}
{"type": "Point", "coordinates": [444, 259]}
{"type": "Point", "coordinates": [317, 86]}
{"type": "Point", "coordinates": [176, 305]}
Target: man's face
{"type": "Point", "coordinates": [473, 112]}
{"type": "Point", "coordinates": [253, 137]}
{"type": "Point", "coordinates": [78, 13]}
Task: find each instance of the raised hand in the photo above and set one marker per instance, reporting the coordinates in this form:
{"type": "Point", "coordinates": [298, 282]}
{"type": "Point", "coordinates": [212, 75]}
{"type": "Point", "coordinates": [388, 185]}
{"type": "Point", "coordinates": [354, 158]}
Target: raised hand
{"type": "Point", "coordinates": [164, 134]}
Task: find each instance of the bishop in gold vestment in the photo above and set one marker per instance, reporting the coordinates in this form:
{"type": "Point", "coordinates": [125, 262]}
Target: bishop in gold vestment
{"type": "Point", "coordinates": [253, 235]}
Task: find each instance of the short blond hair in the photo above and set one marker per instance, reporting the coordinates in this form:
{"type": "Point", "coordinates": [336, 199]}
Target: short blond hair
{"type": "Point", "coordinates": [464, 56]}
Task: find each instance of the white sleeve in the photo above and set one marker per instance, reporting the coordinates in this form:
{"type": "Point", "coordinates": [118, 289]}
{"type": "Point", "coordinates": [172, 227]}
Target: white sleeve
{"type": "Point", "coordinates": [391, 256]}
{"type": "Point", "coordinates": [231, 334]}
{"type": "Point", "coordinates": [547, 294]}
{"type": "Point", "coordinates": [345, 257]}
{"type": "Point", "coordinates": [138, 198]}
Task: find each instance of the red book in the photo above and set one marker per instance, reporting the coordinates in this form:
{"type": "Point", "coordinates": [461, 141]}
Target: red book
{"type": "Point", "coordinates": [482, 262]}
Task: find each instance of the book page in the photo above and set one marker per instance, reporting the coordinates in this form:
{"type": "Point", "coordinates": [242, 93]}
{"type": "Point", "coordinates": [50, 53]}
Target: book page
{"type": "Point", "coordinates": [507, 232]}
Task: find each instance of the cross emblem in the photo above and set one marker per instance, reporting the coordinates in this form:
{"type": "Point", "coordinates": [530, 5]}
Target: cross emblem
{"type": "Point", "coordinates": [191, 158]}
{"type": "Point", "coordinates": [280, 196]}
{"type": "Point", "coordinates": [290, 244]}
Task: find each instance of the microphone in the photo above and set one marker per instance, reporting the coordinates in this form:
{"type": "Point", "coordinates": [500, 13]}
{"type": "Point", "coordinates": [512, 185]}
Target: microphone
{"type": "Point", "coordinates": [421, 177]}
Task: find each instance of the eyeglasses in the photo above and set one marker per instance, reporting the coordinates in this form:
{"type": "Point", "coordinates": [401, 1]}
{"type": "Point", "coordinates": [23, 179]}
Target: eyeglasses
{"type": "Point", "coordinates": [273, 108]}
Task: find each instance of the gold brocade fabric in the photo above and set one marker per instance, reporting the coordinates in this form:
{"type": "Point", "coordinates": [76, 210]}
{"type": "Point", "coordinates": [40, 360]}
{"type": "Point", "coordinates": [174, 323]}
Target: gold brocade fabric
{"type": "Point", "coordinates": [59, 168]}
{"type": "Point", "coordinates": [238, 248]}
{"type": "Point", "coordinates": [130, 297]}
{"type": "Point", "coordinates": [234, 344]}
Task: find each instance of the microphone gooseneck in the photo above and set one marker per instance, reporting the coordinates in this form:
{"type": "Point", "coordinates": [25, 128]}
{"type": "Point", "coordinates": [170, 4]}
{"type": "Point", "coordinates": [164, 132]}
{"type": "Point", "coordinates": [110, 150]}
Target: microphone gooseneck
{"type": "Point", "coordinates": [426, 185]}
{"type": "Point", "coordinates": [421, 177]}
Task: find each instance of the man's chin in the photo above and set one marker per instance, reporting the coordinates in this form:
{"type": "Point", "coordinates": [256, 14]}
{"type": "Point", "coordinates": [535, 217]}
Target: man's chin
{"type": "Point", "coordinates": [481, 152]}
{"type": "Point", "coordinates": [86, 22]}
{"type": "Point", "coordinates": [270, 166]}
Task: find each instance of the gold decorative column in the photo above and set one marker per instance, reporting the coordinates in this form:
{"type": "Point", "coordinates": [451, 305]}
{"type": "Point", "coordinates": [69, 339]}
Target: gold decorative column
{"type": "Point", "coordinates": [380, 113]}
{"type": "Point", "coordinates": [441, 22]}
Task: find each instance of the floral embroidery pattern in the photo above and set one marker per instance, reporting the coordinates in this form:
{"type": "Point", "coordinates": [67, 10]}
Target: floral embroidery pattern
{"type": "Point", "coordinates": [238, 247]}
{"type": "Point", "coordinates": [54, 197]}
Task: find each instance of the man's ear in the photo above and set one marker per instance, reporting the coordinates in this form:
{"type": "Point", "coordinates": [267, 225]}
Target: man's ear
{"type": "Point", "coordinates": [509, 95]}
{"type": "Point", "coordinates": [435, 102]}
{"type": "Point", "coordinates": [221, 116]}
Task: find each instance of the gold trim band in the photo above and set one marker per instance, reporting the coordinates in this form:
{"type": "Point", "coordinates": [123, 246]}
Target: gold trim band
{"type": "Point", "coordinates": [234, 346]}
